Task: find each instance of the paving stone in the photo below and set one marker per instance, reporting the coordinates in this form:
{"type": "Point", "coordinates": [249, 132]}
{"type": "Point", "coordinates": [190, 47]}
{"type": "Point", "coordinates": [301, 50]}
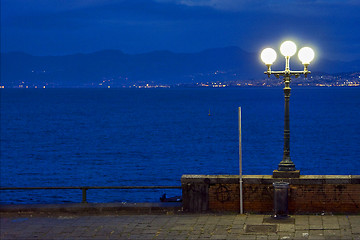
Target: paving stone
{"type": "Point", "coordinates": [316, 238]}
{"type": "Point", "coordinates": [301, 217]}
{"type": "Point", "coordinates": [286, 228]}
{"type": "Point", "coordinates": [236, 230]}
{"type": "Point", "coordinates": [356, 237]}
{"type": "Point", "coordinates": [260, 229]}
{"type": "Point", "coordinates": [331, 227]}
{"type": "Point", "coordinates": [302, 227]}
{"type": "Point", "coordinates": [332, 237]}
{"type": "Point", "coordinates": [346, 238]}
{"type": "Point", "coordinates": [302, 235]}
{"type": "Point", "coordinates": [354, 218]}
{"type": "Point", "coordinates": [248, 237]}
{"type": "Point", "coordinates": [261, 237]}
{"type": "Point", "coordinates": [345, 232]}
{"type": "Point", "coordinates": [330, 222]}
{"type": "Point", "coordinates": [182, 228]}
{"type": "Point", "coordinates": [233, 236]}
{"type": "Point", "coordinates": [254, 219]}
{"type": "Point", "coordinates": [329, 233]}
{"type": "Point", "coordinates": [187, 226]}
{"type": "Point", "coordinates": [315, 227]}
{"type": "Point", "coordinates": [205, 236]}
{"type": "Point", "coordinates": [193, 236]}
{"type": "Point", "coordinates": [285, 238]}
{"type": "Point", "coordinates": [218, 236]}
{"type": "Point", "coordinates": [220, 232]}
{"type": "Point", "coordinates": [355, 229]}
{"type": "Point", "coordinates": [316, 233]}
{"type": "Point", "coordinates": [273, 237]}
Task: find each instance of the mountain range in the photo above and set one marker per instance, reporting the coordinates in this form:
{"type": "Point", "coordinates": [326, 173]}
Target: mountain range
{"type": "Point", "coordinates": [113, 67]}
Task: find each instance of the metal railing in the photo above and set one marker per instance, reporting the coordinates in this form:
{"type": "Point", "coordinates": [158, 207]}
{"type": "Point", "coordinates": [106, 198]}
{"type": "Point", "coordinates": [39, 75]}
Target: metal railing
{"type": "Point", "coordinates": [85, 188]}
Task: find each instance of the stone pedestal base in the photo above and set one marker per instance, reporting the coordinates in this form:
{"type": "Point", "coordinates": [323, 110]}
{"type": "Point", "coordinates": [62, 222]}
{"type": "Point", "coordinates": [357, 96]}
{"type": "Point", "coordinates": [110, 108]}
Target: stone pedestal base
{"type": "Point", "coordinates": [286, 174]}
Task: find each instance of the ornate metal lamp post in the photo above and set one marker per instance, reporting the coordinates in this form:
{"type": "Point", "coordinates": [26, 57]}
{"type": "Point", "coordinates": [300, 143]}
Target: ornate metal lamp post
{"type": "Point", "coordinates": [286, 167]}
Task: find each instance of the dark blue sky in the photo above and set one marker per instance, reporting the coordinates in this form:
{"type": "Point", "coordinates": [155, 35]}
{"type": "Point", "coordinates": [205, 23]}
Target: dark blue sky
{"type": "Point", "coordinates": [59, 27]}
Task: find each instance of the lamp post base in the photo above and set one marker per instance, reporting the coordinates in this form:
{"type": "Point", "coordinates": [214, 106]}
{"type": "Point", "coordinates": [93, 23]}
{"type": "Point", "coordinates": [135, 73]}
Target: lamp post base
{"type": "Point", "coordinates": [286, 174]}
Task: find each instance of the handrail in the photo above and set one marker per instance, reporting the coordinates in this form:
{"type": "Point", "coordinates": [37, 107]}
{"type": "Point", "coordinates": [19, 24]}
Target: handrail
{"type": "Point", "coordinates": [85, 188]}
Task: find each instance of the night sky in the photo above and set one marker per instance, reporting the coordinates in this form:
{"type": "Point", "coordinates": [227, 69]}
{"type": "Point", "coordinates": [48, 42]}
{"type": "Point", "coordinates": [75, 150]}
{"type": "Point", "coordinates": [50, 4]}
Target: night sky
{"type": "Point", "coordinates": [60, 27]}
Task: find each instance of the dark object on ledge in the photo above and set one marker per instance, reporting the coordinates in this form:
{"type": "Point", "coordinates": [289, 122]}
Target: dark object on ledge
{"type": "Point", "coordinates": [170, 199]}
{"type": "Point", "coordinates": [286, 174]}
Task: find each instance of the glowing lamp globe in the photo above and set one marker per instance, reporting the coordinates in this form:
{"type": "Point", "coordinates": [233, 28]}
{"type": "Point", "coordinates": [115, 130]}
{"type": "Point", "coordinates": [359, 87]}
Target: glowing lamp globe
{"type": "Point", "coordinates": [306, 55]}
{"type": "Point", "coordinates": [288, 48]}
{"type": "Point", "coordinates": [268, 56]}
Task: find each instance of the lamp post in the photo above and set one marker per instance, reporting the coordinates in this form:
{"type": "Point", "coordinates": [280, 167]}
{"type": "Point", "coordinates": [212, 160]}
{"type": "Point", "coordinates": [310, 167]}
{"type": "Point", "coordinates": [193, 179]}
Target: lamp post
{"type": "Point", "coordinates": [286, 167]}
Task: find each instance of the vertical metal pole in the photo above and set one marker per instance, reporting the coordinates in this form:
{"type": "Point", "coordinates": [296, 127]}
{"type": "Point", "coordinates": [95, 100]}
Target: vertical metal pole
{"type": "Point", "coordinates": [287, 64]}
{"type": "Point", "coordinates": [286, 164]}
{"type": "Point", "coordinates": [84, 195]}
{"type": "Point", "coordinates": [240, 166]}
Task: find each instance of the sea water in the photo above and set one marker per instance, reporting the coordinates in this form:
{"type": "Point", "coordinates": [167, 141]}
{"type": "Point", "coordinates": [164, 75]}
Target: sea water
{"type": "Point", "coordinates": [144, 137]}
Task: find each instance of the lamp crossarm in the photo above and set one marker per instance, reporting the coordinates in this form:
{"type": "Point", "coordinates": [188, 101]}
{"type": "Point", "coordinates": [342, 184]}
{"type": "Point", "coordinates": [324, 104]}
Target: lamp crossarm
{"type": "Point", "coordinates": [287, 73]}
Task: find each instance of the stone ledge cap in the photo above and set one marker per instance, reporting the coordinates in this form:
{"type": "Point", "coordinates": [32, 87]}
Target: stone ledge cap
{"type": "Point", "coordinates": [268, 179]}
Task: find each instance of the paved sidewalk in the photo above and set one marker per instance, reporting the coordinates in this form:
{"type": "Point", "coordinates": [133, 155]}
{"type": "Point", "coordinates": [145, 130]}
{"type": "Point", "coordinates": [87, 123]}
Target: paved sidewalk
{"type": "Point", "coordinates": [179, 226]}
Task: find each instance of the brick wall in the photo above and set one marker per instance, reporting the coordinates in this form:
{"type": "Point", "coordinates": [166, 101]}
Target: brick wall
{"type": "Point", "coordinates": [335, 198]}
{"type": "Point", "coordinates": [307, 194]}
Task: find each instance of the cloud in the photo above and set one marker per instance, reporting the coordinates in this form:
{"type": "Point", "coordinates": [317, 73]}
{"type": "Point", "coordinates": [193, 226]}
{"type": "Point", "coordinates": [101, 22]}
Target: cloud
{"type": "Point", "coordinates": [228, 5]}
{"type": "Point", "coordinates": [303, 7]}
{"type": "Point", "coordinates": [95, 13]}
{"type": "Point", "coordinates": [177, 25]}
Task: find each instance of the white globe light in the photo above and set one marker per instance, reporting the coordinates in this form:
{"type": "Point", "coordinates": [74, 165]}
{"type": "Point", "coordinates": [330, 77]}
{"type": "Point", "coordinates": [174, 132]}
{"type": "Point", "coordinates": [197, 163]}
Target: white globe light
{"type": "Point", "coordinates": [288, 48]}
{"type": "Point", "coordinates": [306, 55]}
{"type": "Point", "coordinates": [268, 56]}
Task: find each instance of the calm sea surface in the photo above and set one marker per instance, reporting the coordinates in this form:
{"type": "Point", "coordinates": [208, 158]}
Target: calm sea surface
{"type": "Point", "coordinates": [114, 137]}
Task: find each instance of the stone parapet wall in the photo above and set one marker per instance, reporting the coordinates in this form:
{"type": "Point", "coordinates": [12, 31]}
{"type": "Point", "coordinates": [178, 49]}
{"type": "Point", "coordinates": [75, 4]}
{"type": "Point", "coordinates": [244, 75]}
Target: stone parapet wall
{"type": "Point", "coordinates": [307, 194]}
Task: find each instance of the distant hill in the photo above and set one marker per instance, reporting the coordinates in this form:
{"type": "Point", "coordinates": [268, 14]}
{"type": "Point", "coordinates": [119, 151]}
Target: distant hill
{"type": "Point", "coordinates": [115, 68]}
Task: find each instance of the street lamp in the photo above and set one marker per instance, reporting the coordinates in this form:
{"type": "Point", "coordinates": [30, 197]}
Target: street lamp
{"type": "Point", "coordinates": [286, 167]}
